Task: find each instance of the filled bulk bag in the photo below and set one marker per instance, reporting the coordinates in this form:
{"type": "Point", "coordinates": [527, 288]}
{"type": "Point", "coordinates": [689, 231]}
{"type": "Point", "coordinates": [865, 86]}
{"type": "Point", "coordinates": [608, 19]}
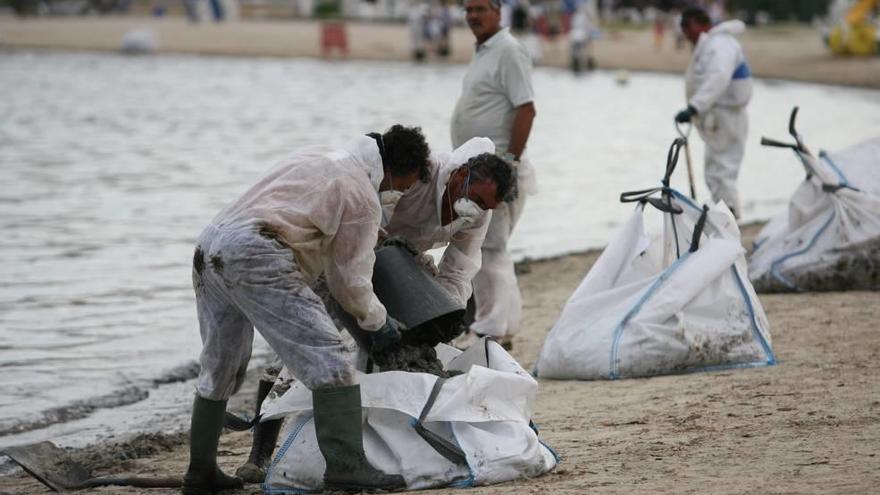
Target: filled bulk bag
{"type": "Point", "coordinates": [828, 237]}
{"type": "Point", "coordinates": [676, 304]}
{"type": "Point", "coordinates": [470, 429]}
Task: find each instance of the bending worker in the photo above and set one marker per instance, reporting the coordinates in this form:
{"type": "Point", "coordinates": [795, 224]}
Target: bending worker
{"type": "Point", "coordinates": [718, 85]}
{"type": "Point", "coordinates": [317, 211]}
{"type": "Point", "coordinates": [497, 102]}
{"type": "Point", "coordinates": [453, 210]}
{"type": "Point", "coordinates": [450, 209]}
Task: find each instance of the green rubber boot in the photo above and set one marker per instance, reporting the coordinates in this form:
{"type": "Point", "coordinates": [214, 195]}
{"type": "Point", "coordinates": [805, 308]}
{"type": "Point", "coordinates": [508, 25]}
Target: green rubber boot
{"type": "Point", "coordinates": [340, 438]}
{"type": "Point", "coordinates": [204, 476]}
{"type": "Point", "coordinates": [265, 437]}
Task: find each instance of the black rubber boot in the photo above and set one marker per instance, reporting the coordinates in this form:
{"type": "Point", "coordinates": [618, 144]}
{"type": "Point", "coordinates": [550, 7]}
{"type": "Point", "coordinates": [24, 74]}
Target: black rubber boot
{"type": "Point", "coordinates": [204, 476]}
{"type": "Point", "coordinates": [265, 436]}
{"type": "Point", "coordinates": [340, 438]}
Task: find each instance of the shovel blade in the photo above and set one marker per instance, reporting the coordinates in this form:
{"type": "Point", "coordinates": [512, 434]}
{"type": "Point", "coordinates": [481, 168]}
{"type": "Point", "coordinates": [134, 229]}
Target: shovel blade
{"type": "Point", "coordinates": [50, 465]}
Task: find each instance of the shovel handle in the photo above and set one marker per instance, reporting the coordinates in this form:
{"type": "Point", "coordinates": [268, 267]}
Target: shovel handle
{"type": "Point", "coordinates": [779, 144]}
{"type": "Point", "coordinates": [173, 482]}
{"type": "Point", "coordinates": [681, 133]}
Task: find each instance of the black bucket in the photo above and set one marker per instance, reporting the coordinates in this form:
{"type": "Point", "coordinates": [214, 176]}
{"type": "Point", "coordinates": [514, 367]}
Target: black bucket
{"type": "Point", "coordinates": [411, 296]}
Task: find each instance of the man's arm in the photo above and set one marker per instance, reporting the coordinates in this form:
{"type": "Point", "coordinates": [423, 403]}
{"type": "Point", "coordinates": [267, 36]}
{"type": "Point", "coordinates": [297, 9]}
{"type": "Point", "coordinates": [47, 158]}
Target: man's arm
{"type": "Point", "coordinates": [522, 126]}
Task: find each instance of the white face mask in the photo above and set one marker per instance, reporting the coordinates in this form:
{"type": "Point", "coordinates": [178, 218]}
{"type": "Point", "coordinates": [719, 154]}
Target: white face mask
{"type": "Point", "coordinates": [467, 209]}
{"type": "Point", "coordinates": [388, 200]}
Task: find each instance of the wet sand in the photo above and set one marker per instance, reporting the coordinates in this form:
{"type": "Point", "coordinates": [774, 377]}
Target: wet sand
{"type": "Point", "coordinates": [807, 425]}
{"type": "Point", "coordinates": [785, 52]}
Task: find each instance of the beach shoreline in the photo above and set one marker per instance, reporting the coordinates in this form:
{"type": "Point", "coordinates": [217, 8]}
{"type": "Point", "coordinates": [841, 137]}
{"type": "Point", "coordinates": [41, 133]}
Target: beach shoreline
{"type": "Point", "coordinates": [806, 425]}
{"type": "Point", "coordinates": [789, 52]}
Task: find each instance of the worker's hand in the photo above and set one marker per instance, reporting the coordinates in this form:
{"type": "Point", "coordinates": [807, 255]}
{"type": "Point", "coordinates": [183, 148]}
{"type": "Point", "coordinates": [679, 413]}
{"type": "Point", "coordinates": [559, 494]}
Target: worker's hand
{"type": "Point", "coordinates": [385, 337]}
{"type": "Point", "coordinates": [427, 262]}
{"type": "Point", "coordinates": [686, 115]}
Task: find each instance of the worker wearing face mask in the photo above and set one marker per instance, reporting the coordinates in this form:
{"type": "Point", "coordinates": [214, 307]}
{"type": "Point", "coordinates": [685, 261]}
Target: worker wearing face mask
{"type": "Point", "coordinates": [315, 213]}
{"type": "Point", "coordinates": [453, 210]}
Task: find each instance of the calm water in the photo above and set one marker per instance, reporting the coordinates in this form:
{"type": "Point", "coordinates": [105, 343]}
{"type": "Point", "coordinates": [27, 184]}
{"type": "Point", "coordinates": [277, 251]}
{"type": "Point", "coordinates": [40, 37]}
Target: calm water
{"type": "Point", "coordinates": [111, 165]}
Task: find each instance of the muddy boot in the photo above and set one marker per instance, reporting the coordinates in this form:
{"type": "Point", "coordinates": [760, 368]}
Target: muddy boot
{"type": "Point", "coordinates": [265, 436]}
{"type": "Point", "coordinates": [340, 438]}
{"type": "Point", "coordinates": [204, 476]}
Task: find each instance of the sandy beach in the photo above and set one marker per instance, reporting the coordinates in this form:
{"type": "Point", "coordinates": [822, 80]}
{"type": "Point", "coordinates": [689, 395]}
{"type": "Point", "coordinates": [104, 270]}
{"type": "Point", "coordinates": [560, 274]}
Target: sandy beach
{"type": "Point", "coordinates": [806, 425]}
{"type": "Point", "coordinates": [810, 424]}
{"type": "Point", "coordinates": [784, 52]}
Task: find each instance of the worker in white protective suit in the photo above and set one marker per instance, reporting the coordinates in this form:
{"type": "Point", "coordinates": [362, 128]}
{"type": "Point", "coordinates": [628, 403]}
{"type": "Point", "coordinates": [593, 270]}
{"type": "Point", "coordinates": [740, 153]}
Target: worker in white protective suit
{"type": "Point", "coordinates": [318, 211]}
{"type": "Point", "coordinates": [450, 209]}
{"type": "Point", "coordinates": [453, 210]}
{"type": "Point", "coordinates": [718, 85]}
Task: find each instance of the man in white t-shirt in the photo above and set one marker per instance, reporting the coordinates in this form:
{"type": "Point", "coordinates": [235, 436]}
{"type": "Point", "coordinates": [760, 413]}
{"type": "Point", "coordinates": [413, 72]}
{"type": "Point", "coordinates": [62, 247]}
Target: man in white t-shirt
{"type": "Point", "coordinates": [497, 101]}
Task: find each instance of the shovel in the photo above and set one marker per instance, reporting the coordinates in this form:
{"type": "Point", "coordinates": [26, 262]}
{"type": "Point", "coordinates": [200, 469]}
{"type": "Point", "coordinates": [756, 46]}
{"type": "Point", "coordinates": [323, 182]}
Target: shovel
{"type": "Point", "coordinates": [687, 154]}
{"type": "Point", "coordinates": [53, 467]}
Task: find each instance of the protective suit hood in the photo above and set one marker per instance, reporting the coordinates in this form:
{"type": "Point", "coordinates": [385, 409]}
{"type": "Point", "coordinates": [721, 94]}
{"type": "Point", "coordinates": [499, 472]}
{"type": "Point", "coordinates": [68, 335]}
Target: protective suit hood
{"type": "Point", "coordinates": [733, 27]}
{"type": "Point", "coordinates": [365, 152]}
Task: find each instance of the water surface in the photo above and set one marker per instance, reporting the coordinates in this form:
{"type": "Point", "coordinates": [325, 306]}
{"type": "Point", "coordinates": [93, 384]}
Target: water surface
{"type": "Point", "coordinates": [111, 165]}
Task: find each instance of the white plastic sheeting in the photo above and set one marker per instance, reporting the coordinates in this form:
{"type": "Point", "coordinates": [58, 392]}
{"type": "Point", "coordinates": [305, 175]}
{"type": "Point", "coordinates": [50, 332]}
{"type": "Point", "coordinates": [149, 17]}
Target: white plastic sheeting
{"type": "Point", "coordinates": [481, 416]}
{"type": "Point", "coordinates": [828, 238]}
{"type": "Point", "coordinates": [650, 308]}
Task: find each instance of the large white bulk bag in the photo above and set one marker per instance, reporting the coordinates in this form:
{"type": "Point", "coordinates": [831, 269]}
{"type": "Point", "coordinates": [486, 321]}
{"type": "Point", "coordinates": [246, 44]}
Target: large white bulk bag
{"type": "Point", "coordinates": [828, 237]}
{"type": "Point", "coordinates": [467, 430]}
{"type": "Point", "coordinates": [656, 306]}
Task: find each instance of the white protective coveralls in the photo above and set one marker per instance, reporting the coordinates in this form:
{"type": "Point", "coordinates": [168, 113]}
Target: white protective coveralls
{"type": "Point", "coordinates": [417, 219]}
{"type": "Point", "coordinates": [718, 84]}
{"type": "Point", "coordinates": [316, 212]}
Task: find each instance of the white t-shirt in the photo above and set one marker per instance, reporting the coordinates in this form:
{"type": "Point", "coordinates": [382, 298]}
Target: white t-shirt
{"type": "Point", "coordinates": [498, 80]}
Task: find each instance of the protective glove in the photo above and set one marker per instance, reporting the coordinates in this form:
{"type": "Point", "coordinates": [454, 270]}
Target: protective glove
{"type": "Point", "coordinates": [385, 337]}
{"type": "Point", "coordinates": [686, 114]}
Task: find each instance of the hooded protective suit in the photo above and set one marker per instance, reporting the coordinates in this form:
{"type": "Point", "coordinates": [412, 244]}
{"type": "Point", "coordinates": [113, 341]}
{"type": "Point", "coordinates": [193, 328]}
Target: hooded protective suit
{"type": "Point", "coordinates": [718, 84]}
{"type": "Point", "coordinates": [417, 218]}
{"type": "Point", "coordinates": [316, 212]}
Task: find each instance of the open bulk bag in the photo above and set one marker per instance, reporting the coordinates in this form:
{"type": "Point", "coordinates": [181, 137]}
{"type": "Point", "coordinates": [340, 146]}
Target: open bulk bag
{"type": "Point", "coordinates": [828, 237]}
{"type": "Point", "coordinates": [651, 307]}
{"type": "Point", "coordinates": [470, 429]}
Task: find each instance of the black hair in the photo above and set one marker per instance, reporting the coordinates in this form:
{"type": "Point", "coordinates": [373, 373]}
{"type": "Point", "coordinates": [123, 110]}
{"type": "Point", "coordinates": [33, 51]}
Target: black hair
{"type": "Point", "coordinates": [487, 166]}
{"type": "Point", "coordinates": [406, 151]}
{"type": "Point", "coordinates": [695, 14]}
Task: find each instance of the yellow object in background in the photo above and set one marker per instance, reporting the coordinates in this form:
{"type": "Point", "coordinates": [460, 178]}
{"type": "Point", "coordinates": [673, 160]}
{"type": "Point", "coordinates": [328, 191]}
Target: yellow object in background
{"type": "Point", "coordinates": [859, 39]}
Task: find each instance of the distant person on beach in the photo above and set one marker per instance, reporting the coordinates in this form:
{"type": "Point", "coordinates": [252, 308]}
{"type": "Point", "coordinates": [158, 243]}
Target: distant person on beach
{"type": "Point", "coordinates": [318, 211]}
{"type": "Point", "coordinates": [718, 84]}
{"type": "Point", "coordinates": [497, 101]}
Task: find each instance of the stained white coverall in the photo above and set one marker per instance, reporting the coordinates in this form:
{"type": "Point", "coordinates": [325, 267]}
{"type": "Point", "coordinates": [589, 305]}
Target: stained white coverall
{"type": "Point", "coordinates": [718, 84]}
{"type": "Point", "coordinates": [316, 212]}
{"type": "Point", "coordinates": [417, 219]}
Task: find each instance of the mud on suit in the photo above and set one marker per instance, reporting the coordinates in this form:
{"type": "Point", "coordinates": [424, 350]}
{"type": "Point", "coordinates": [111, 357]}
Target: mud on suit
{"type": "Point", "coordinates": [416, 218]}
{"type": "Point", "coordinates": [316, 212]}
{"type": "Point", "coordinates": [718, 84]}
{"type": "Point", "coordinates": [498, 81]}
